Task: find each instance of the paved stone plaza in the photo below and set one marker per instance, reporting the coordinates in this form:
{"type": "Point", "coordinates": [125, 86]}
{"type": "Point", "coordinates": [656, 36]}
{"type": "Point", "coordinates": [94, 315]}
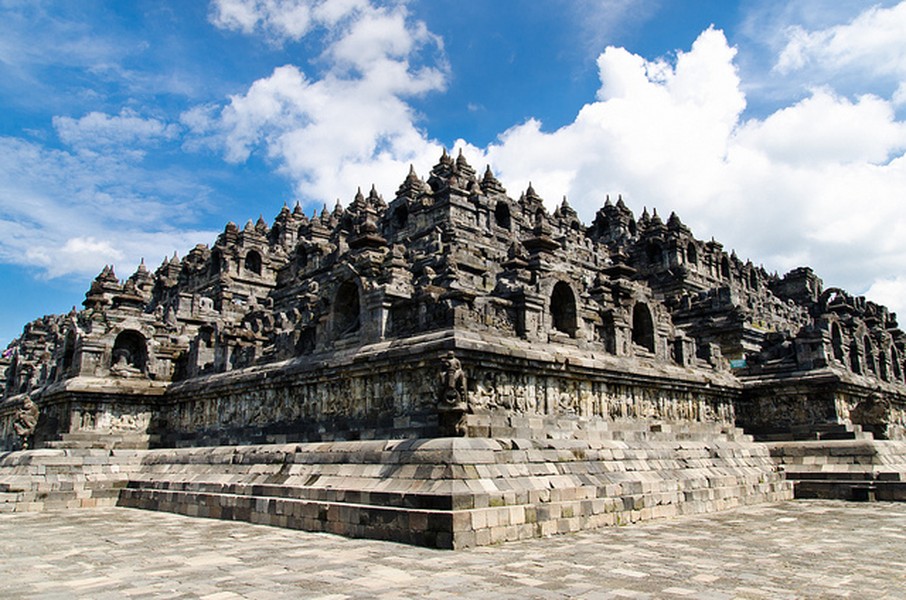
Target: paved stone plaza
{"type": "Point", "coordinates": [802, 549]}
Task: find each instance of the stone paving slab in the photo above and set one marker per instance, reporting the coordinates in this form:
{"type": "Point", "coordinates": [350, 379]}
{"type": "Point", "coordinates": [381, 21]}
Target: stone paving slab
{"type": "Point", "coordinates": [801, 549]}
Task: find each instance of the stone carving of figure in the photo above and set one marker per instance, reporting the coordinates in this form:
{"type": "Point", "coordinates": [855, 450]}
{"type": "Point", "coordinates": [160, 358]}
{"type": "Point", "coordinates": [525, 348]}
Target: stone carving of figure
{"type": "Point", "coordinates": [26, 420]}
{"type": "Point", "coordinates": [454, 382]}
{"type": "Point", "coordinates": [453, 399]}
{"type": "Point", "coordinates": [124, 363]}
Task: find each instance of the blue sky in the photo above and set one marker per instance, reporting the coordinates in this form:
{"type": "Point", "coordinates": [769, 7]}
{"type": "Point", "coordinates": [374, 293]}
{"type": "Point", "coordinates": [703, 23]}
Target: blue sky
{"type": "Point", "coordinates": [133, 130]}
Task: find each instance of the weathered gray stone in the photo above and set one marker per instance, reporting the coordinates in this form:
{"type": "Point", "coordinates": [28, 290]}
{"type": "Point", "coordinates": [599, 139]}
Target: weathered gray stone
{"type": "Point", "coordinates": [456, 367]}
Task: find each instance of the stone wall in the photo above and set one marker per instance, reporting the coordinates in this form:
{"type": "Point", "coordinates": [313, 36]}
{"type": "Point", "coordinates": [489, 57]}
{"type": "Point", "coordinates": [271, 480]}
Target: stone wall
{"type": "Point", "coordinates": [88, 407]}
{"type": "Point", "coordinates": [397, 390]}
{"type": "Point", "coordinates": [822, 404]}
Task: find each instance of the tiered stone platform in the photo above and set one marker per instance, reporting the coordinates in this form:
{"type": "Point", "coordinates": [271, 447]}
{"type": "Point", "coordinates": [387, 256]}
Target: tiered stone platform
{"type": "Point", "coordinates": [444, 492]}
{"type": "Point", "coordinates": [55, 478]}
{"type": "Point", "coordinates": [860, 468]}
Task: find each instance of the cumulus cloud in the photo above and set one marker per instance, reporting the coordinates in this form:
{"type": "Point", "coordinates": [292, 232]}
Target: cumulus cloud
{"type": "Point", "coordinates": [872, 43]}
{"type": "Point", "coordinates": [818, 182]}
{"type": "Point", "coordinates": [281, 20]}
{"type": "Point", "coordinates": [353, 125]}
{"type": "Point", "coordinates": [657, 132]}
{"type": "Point", "coordinates": [827, 129]}
{"type": "Point", "coordinates": [100, 130]}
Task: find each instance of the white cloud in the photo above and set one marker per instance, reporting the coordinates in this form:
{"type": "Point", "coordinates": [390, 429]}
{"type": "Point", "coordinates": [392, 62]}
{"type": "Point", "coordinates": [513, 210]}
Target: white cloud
{"type": "Point", "coordinates": [889, 292]}
{"type": "Point", "coordinates": [828, 129]}
{"type": "Point", "coordinates": [281, 20]}
{"type": "Point", "coordinates": [353, 126]}
{"type": "Point", "coordinates": [97, 129]}
{"type": "Point", "coordinates": [819, 182]}
{"type": "Point", "coordinates": [653, 134]}
{"type": "Point", "coordinates": [49, 199]}
{"type": "Point", "coordinates": [873, 42]}
{"type": "Point", "coordinates": [598, 22]}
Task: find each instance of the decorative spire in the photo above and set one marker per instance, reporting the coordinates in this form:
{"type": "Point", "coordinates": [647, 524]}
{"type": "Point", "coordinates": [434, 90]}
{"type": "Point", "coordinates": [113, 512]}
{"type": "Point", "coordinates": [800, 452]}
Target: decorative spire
{"type": "Point", "coordinates": [442, 172]}
{"type": "Point", "coordinates": [375, 200]}
{"type": "Point", "coordinates": [674, 221]}
{"type": "Point", "coordinates": [463, 167]}
{"type": "Point", "coordinates": [655, 219]}
{"type": "Point", "coordinates": [490, 184]}
{"type": "Point", "coordinates": [412, 186]}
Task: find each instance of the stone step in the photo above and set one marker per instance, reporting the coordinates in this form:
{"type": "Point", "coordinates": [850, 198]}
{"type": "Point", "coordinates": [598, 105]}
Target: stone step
{"type": "Point", "coordinates": [856, 489]}
{"type": "Point", "coordinates": [357, 515]}
{"type": "Point", "coordinates": [827, 431]}
{"type": "Point", "coordinates": [481, 490]}
{"type": "Point", "coordinates": [830, 475]}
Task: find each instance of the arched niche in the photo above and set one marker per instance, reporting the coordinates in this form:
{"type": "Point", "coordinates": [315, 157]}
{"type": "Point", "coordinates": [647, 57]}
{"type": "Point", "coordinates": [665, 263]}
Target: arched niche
{"type": "Point", "coordinates": [563, 309]}
{"type": "Point", "coordinates": [204, 348]}
{"type": "Point", "coordinates": [608, 333]}
{"type": "Point", "coordinates": [725, 267]}
{"type": "Point", "coordinates": [216, 261]}
{"type": "Point", "coordinates": [130, 351]}
{"type": "Point", "coordinates": [305, 342]}
{"type": "Point", "coordinates": [895, 364]}
{"type": "Point", "coordinates": [69, 345]}
{"type": "Point", "coordinates": [691, 254]}
{"type": "Point", "coordinates": [883, 370]}
{"type": "Point", "coordinates": [502, 215]}
{"type": "Point", "coordinates": [855, 362]}
{"type": "Point", "coordinates": [206, 336]}
{"type": "Point", "coordinates": [655, 254]}
{"type": "Point", "coordinates": [252, 263]}
{"type": "Point", "coordinates": [869, 354]}
{"type": "Point", "coordinates": [346, 309]}
{"type": "Point", "coordinates": [837, 341]}
{"type": "Point", "coordinates": [400, 216]}
{"type": "Point", "coordinates": [642, 326]}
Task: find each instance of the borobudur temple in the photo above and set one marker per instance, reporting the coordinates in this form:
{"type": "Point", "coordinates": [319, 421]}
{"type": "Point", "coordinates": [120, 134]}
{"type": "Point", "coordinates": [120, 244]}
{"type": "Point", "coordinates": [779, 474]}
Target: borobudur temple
{"type": "Point", "coordinates": [454, 367]}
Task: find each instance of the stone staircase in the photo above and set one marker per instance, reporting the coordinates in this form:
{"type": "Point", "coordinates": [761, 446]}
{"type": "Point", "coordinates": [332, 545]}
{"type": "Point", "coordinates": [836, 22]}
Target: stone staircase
{"type": "Point", "coordinates": [850, 469]}
{"type": "Point", "coordinates": [47, 479]}
{"type": "Point", "coordinates": [829, 431]}
{"type": "Point", "coordinates": [460, 492]}
{"type": "Point", "coordinates": [444, 492]}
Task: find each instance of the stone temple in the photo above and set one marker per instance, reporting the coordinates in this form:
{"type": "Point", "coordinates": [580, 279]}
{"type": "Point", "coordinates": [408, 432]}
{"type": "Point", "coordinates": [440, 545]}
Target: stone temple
{"type": "Point", "coordinates": [454, 367]}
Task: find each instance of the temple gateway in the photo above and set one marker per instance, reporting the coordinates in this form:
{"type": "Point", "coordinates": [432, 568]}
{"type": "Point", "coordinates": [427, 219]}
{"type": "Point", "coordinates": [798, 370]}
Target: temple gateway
{"type": "Point", "coordinates": [454, 367]}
